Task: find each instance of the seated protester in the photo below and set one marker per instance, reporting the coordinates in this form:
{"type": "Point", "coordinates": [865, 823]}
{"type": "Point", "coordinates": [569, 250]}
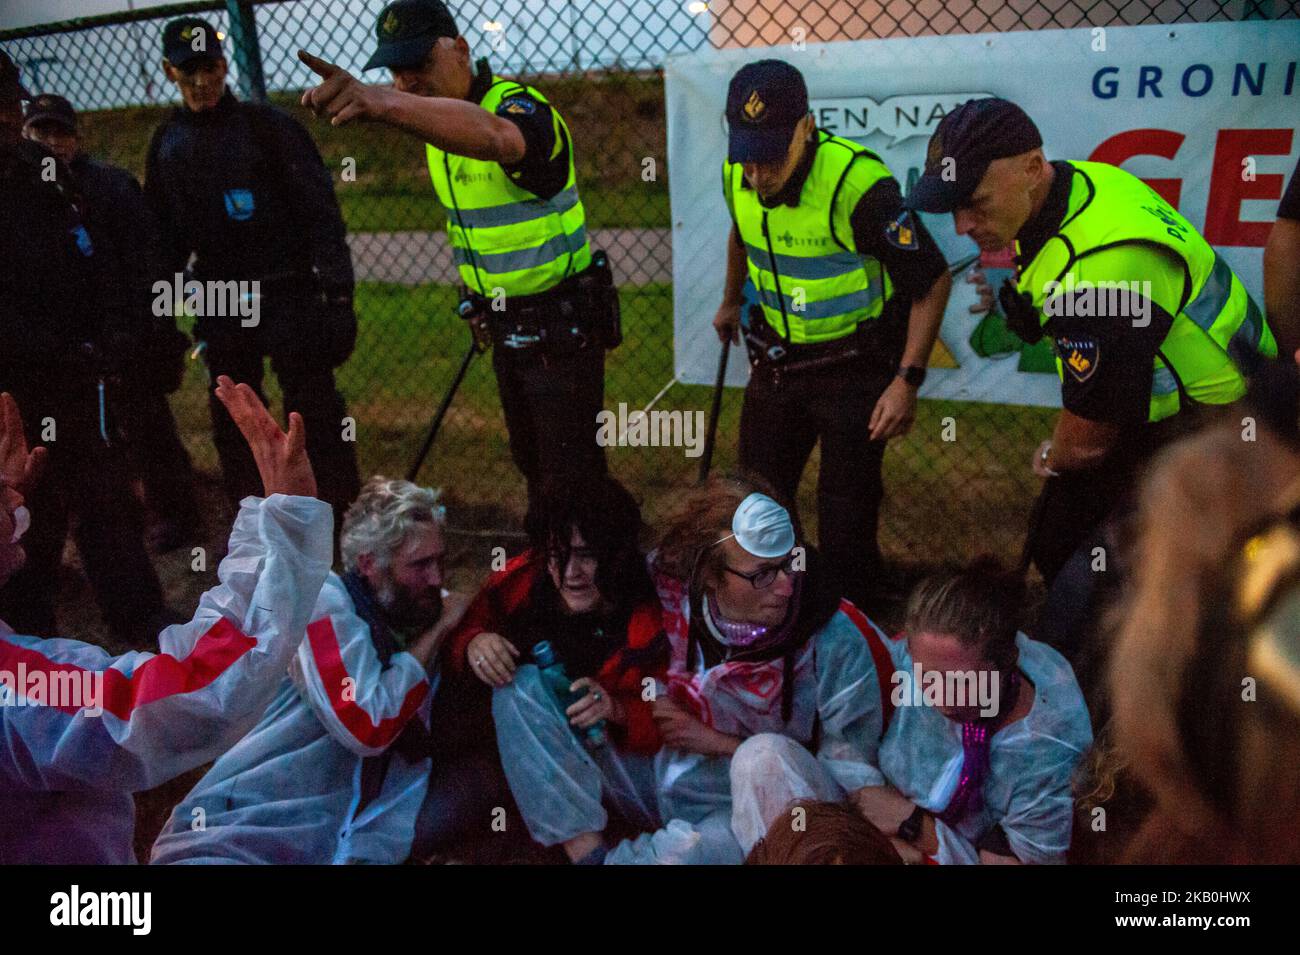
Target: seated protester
{"type": "Point", "coordinates": [766, 660]}
{"type": "Point", "coordinates": [81, 730]}
{"type": "Point", "coordinates": [338, 767]}
{"type": "Point", "coordinates": [582, 587]}
{"type": "Point", "coordinates": [977, 768]}
{"type": "Point", "coordinates": [822, 833]}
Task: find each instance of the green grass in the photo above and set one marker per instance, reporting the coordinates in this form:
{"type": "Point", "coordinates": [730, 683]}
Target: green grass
{"type": "Point", "coordinates": [944, 498]}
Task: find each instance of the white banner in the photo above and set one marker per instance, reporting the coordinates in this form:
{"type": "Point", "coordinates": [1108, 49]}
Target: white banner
{"type": "Point", "coordinates": [1206, 113]}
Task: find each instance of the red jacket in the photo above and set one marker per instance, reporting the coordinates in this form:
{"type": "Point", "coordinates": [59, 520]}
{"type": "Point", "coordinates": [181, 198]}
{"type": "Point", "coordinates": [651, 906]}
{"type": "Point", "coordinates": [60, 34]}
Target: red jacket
{"type": "Point", "coordinates": [645, 654]}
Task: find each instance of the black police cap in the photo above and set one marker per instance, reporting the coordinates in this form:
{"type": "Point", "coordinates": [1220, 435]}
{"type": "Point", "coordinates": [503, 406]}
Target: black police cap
{"type": "Point", "coordinates": [189, 40]}
{"type": "Point", "coordinates": [966, 141]}
{"type": "Point", "coordinates": [765, 102]}
{"type": "Point", "coordinates": [50, 108]}
{"type": "Point", "coordinates": [406, 31]}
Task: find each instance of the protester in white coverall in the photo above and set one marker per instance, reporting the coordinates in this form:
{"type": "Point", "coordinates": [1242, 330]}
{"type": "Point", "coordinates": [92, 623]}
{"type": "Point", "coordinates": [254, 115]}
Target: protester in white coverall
{"type": "Point", "coordinates": [67, 771]}
{"type": "Point", "coordinates": [965, 775]}
{"type": "Point", "coordinates": [336, 772]}
{"type": "Point", "coordinates": [764, 655]}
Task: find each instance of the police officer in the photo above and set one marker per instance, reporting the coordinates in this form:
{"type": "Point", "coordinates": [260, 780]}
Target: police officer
{"type": "Point", "coordinates": [1170, 333]}
{"type": "Point", "coordinates": [52, 361]}
{"type": "Point", "coordinates": [147, 346]}
{"type": "Point", "coordinates": [851, 290]}
{"type": "Point", "coordinates": [242, 188]}
{"type": "Point", "coordinates": [502, 163]}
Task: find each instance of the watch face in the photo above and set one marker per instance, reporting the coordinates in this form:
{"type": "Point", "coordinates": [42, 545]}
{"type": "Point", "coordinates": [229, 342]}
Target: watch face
{"type": "Point", "coordinates": [913, 375]}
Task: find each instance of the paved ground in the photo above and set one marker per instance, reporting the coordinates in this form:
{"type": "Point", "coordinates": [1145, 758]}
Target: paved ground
{"type": "Point", "coordinates": [640, 256]}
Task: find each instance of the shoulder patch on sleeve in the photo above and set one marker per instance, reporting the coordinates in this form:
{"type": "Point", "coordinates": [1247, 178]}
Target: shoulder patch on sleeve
{"type": "Point", "coordinates": [901, 232]}
{"type": "Point", "coordinates": [1079, 355]}
{"type": "Point", "coordinates": [518, 105]}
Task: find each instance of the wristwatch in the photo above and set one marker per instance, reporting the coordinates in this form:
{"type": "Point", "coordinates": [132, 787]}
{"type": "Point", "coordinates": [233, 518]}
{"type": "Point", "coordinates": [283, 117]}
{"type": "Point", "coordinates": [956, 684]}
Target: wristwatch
{"type": "Point", "coordinates": [914, 375]}
{"type": "Point", "coordinates": [910, 828]}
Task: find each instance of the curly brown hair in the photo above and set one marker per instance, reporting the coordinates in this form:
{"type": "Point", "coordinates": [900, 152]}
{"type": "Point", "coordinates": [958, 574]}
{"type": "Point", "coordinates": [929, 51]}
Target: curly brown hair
{"type": "Point", "coordinates": [700, 518]}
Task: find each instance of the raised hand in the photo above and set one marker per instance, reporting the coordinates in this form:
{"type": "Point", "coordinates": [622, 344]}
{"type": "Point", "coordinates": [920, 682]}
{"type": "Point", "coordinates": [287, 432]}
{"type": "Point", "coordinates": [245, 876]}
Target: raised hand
{"type": "Point", "coordinates": [342, 97]}
{"type": "Point", "coordinates": [281, 458]}
{"type": "Point", "coordinates": [19, 468]}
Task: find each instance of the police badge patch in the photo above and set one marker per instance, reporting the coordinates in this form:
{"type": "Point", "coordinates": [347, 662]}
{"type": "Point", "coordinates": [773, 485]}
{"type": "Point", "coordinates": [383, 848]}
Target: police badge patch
{"type": "Point", "coordinates": [1079, 355]}
{"type": "Point", "coordinates": [240, 204]}
{"type": "Point", "coordinates": [901, 233]}
{"type": "Point", "coordinates": [519, 105]}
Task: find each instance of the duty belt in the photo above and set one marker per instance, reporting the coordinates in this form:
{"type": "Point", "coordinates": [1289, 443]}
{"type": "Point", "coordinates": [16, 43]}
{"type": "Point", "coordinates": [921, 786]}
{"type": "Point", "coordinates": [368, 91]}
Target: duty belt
{"type": "Point", "coordinates": [771, 353]}
{"type": "Point", "coordinates": [577, 313]}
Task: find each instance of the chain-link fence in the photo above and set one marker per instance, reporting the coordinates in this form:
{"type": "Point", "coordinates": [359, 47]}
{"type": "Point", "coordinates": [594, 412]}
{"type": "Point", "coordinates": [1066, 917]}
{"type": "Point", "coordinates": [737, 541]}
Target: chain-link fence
{"type": "Point", "coordinates": [601, 64]}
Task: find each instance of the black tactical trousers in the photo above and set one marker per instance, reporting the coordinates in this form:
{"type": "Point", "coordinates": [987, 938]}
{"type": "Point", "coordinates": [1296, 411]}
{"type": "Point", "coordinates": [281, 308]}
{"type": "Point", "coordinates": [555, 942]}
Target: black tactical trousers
{"type": "Point", "coordinates": [784, 417]}
{"type": "Point", "coordinates": [89, 480]}
{"type": "Point", "coordinates": [309, 389]}
{"type": "Point", "coordinates": [550, 409]}
{"type": "Point", "coordinates": [158, 457]}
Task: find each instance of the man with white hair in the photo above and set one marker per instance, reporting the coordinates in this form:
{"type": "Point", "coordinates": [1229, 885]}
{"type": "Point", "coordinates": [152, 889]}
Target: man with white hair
{"type": "Point", "coordinates": [338, 767]}
{"type": "Point", "coordinates": [767, 662]}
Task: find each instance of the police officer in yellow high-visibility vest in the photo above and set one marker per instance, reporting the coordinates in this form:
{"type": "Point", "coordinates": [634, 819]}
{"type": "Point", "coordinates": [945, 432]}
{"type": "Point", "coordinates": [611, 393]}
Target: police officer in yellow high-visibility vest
{"type": "Point", "coordinates": [850, 291]}
{"type": "Point", "coordinates": [502, 164]}
{"type": "Point", "coordinates": [1151, 326]}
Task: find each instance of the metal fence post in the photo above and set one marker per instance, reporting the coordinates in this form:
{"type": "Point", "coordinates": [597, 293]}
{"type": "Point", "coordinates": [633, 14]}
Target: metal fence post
{"type": "Point", "coordinates": [248, 57]}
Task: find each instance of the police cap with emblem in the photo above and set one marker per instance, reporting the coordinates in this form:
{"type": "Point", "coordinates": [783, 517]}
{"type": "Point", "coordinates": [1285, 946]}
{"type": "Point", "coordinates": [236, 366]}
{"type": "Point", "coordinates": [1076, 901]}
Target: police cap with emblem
{"type": "Point", "coordinates": [965, 142]}
{"type": "Point", "coordinates": [406, 31]}
{"type": "Point", "coordinates": [51, 109]}
{"type": "Point", "coordinates": [189, 40]}
{"type": "Point", "coordinates": [765, 102]}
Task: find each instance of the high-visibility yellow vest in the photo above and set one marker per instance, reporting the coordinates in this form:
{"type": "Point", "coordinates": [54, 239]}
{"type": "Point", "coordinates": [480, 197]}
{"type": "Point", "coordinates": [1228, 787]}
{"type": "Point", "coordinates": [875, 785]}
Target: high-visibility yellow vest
{"type": "Point", "coordinates": [503, 236]}
{"type": "Point", "coordinates": [811, 284]}
{"type": "Point", "coordinates": [1218, 333]}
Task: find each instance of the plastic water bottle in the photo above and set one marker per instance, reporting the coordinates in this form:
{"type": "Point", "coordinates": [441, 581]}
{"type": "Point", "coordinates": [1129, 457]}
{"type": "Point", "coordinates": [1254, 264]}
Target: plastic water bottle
{"type": "Point", "coordinates": [558, 682]}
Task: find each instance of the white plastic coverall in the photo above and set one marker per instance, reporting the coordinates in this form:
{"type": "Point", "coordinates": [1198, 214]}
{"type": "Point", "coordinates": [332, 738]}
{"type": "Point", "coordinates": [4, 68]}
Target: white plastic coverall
{"type": "Point", "coordinates": [288, 791]}
{"type": "Point", "coordinates": [66, 777]}
{"type": "Point", "coordinates": [558, 783]}
{"type": "Point", "coordinates": [834, 679]}
{"type": "Point", "coordinates": [1031, 761]}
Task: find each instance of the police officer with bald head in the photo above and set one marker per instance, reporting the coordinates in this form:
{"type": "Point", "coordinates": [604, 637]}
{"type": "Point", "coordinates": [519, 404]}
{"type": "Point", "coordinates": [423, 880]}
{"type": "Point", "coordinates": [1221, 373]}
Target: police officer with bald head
{"type": "Point", "coordinates": [1152, 329]}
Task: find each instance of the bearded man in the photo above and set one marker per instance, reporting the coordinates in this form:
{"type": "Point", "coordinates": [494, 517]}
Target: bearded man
{"type": "Point", "coordinates": [339, 766]}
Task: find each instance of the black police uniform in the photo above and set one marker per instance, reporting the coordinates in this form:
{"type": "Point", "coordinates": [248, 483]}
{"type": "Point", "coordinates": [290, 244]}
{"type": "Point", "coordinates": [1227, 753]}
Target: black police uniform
{"type": "Point", "coordinates": [243, 189]}
{"type": "Point", "coordinates": [52, 361]}
{"type": "Point", "coordinates": [145, 348]}
{"type": "Point", "coordinates": [785, 413]}
{"type": "Point", "coordinates": [550, 399]}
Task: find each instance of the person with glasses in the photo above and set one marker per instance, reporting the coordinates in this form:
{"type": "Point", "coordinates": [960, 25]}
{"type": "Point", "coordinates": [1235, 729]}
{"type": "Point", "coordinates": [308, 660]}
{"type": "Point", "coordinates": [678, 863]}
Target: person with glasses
{"type": "Point", "coordinates": [573, 746]}
{"type": "Point", "coordinates": [767, 660]}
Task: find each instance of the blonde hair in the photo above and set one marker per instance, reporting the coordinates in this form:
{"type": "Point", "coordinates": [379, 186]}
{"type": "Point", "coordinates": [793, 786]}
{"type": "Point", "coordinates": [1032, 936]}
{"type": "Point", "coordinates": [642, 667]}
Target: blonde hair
{"type": "Point", "coordinates": [1226, 780]}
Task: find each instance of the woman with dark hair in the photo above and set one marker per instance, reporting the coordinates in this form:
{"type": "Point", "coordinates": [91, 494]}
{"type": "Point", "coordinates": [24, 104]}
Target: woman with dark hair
{"type": "Point", "coordinates": [987, 729]}
{"type": "Point", "coordinates": [579, 599]}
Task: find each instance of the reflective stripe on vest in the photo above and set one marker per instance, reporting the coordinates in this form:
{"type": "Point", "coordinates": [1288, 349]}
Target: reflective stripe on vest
{"type": "Point", "coordinates": [812, 287]}
{"type": "Point", "coordinates": [1217, 337]}
{"type": "Point", "coordinates": [503, 236]}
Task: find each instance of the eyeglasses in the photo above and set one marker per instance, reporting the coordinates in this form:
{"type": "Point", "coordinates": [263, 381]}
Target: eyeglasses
{"type": "Point", "coordinates": [762, 579]}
